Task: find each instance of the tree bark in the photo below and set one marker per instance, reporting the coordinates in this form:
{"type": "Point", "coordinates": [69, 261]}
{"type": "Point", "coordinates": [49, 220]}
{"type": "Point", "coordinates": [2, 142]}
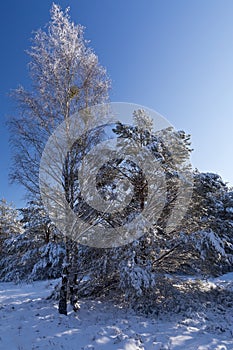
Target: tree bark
{"type": "Point", "coordinates": [73, 288]}
{"type": "Point", "coordinates": [69, 288]}
{"type": "Point", "coordinates": [62, 308]}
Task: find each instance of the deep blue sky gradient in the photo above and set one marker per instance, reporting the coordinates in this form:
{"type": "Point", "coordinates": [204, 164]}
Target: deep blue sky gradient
{"type": "Point", "coordinates": [174, 56]}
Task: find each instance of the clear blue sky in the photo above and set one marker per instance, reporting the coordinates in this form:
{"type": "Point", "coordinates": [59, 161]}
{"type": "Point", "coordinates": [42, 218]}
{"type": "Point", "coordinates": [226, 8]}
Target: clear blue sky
{"type": "Point", "coordinates": [174, 56]}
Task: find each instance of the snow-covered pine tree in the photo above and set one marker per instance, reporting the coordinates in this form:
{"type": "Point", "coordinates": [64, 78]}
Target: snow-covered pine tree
{"type": "Point", "coordinates": [35, 219]}
{"type": "Point", "coordinates": [191, 247]}
{"type": "Point", "coordinates": [9, 222]}
{"type": "Point", "coordinates": [136, 264]}
{"type": "Point", "coordinates": [66, 77]}
{"type": "Point", "coordinates": [212, 224]}
{"type": "Point", "coordinates": [9, 218]}
{"type": "Point", "coordinates": [36, 252]}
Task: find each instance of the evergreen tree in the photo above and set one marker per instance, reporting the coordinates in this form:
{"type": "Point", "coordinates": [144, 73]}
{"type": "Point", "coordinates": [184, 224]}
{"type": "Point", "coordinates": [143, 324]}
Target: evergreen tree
{"type": "Point", "coordinates": [35, 219]}
{"type": "Point", "coordinates": [144, 256]}
{"type": "Point", "coordinates": [36, 251]}
{"type": "Point", "coordinates": [9, 222]}
{"type": "Point", "coordinates": [195, 246]}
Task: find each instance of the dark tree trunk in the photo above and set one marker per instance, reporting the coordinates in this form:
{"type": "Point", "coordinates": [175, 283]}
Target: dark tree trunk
{"type": "Point", "coordinates": [73, 288]}
{"type": "Point", "coordinates": [74, 294]}
{"type": "Point", "coordinates": [63, 296]}
{"type": "Point", "coordinates": [65, 281]}
{"type": "Point", "coordinates": [69, 288]}
{"type": "Point", "coordinates": [69, 279]}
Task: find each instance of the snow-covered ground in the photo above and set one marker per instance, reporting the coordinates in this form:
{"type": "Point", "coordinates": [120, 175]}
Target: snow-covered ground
{"type": "Point", "coordinates": [28, 321]}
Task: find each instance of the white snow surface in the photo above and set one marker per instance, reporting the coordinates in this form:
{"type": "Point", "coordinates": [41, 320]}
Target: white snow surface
{"type": "Point", "coordinates": [28, 321]}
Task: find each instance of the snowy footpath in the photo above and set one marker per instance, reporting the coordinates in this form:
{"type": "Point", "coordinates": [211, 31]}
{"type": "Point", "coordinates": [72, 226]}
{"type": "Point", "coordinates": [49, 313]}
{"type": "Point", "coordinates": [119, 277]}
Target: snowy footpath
{"type": "Point", "coordinates": [28, 321]}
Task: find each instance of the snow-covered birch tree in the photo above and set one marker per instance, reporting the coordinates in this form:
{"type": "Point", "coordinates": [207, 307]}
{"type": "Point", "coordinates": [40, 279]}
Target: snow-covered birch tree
{"type": "Point", "coordinates": [66, 77]}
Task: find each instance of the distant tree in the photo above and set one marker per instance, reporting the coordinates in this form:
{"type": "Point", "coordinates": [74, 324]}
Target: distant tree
{"type": "Point", "coordinates": [35, 219]}
{"type": "Point", "coordinates": [66, 77]}
{"type": "Point", "coordinates": [36, 251]}
{"type": "Point", "coordinates": [212, 211]}
{"type": "Point", "coordinates": [28, 258]}
{"type": "Point", "coordinates": [9, 221]}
